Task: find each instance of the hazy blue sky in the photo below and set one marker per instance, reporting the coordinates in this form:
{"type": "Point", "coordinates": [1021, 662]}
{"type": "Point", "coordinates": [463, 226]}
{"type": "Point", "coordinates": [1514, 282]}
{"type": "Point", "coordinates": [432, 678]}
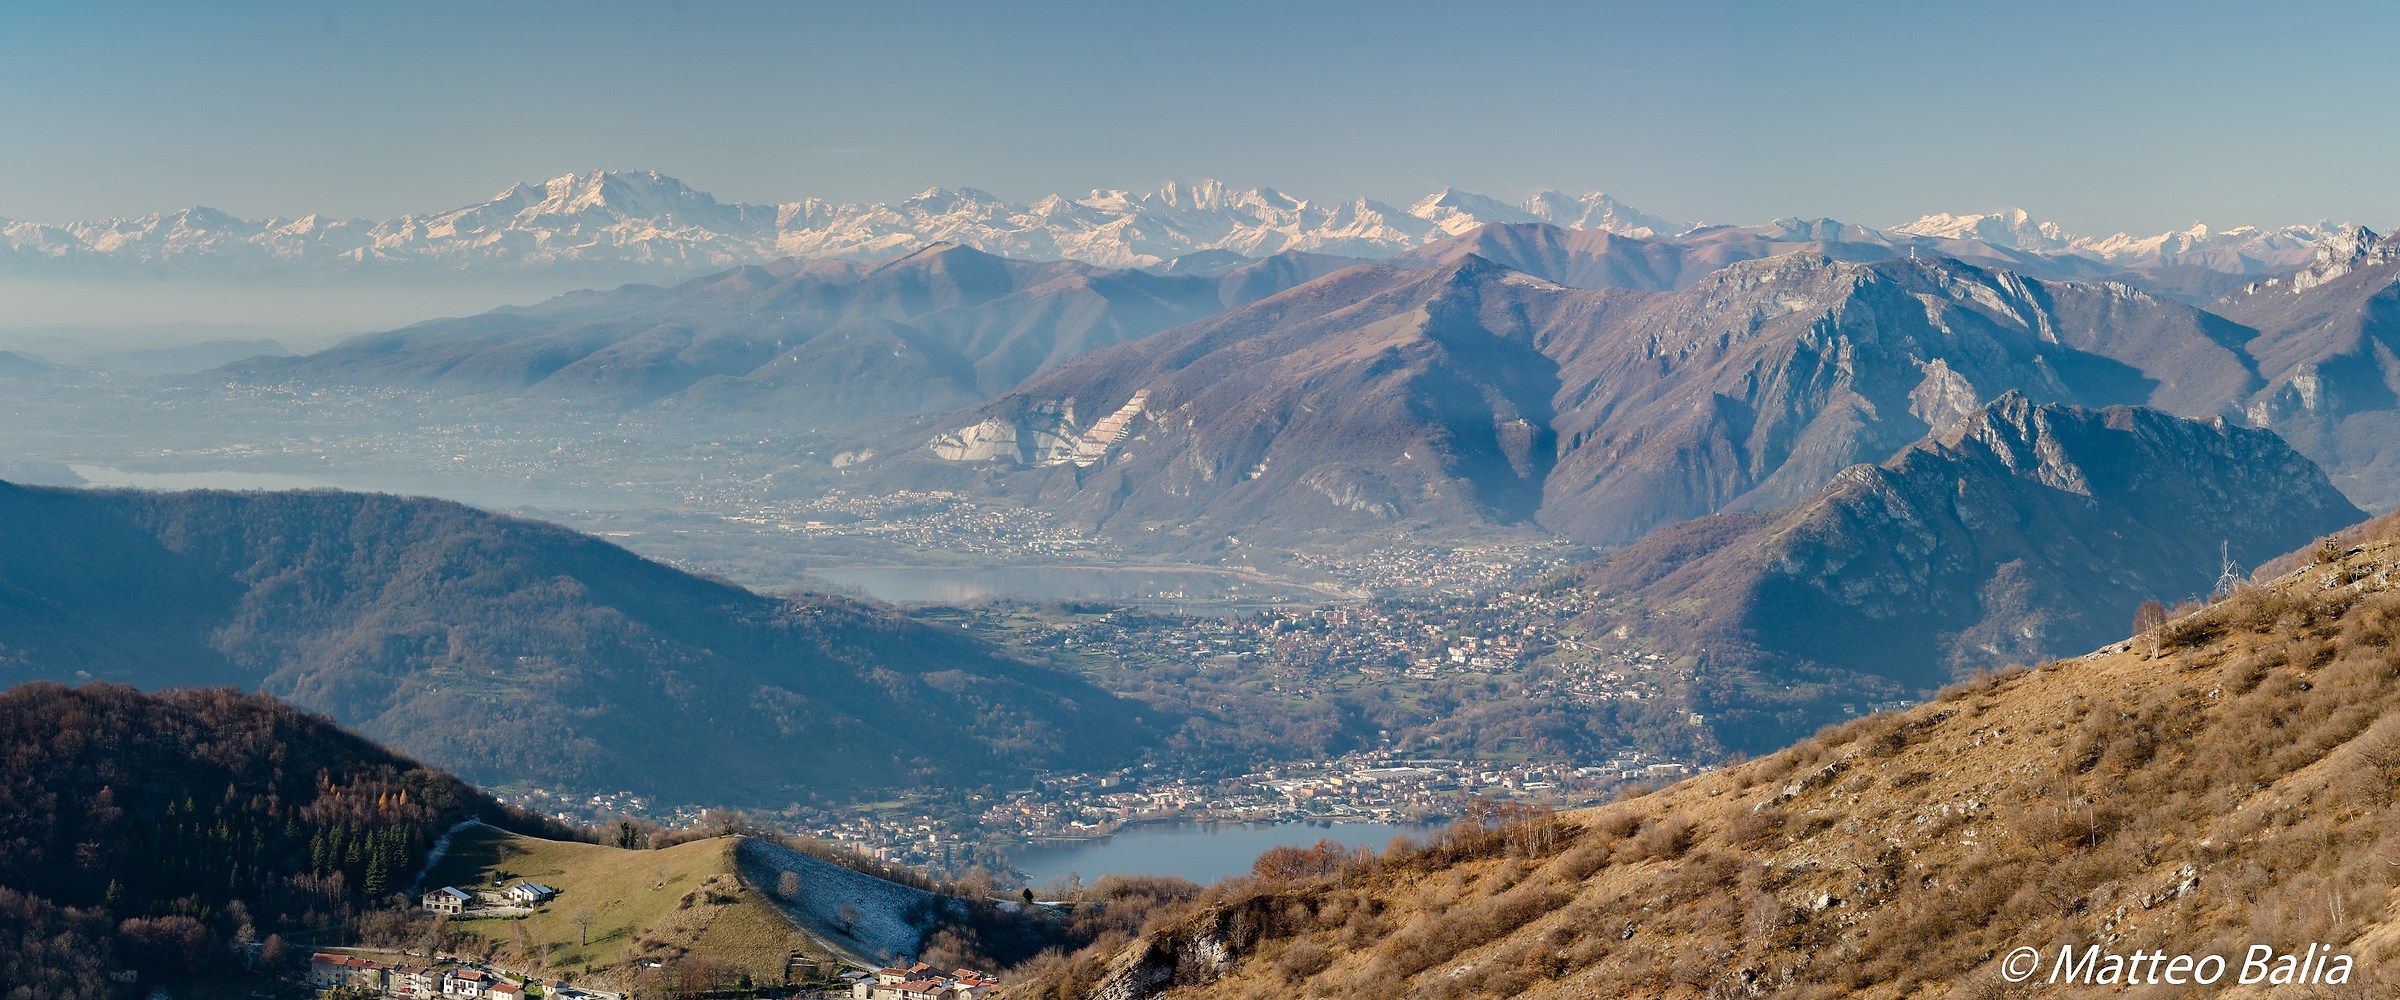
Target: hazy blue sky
{"type": "Point", "coordinates": [2104, 116]}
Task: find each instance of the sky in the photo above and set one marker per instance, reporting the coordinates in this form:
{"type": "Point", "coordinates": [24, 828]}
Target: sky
{"type": "Point", "coordinates": [2102, 116]}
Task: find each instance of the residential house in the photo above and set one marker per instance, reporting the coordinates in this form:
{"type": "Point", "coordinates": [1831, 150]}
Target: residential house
{"type": "Point", "coordinates": [468, 984]}
{"type": "Point", "coordinates": [449, 899]}
{"type": "Point", "coordinates": [413, 982]}
{"type": "Point", "coordinates": [531, 894]}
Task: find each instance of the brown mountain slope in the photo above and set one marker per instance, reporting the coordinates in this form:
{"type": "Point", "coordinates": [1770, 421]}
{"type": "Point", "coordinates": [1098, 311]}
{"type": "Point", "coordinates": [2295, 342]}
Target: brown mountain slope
{"type": "Point", "coordinates": [2239, 788]}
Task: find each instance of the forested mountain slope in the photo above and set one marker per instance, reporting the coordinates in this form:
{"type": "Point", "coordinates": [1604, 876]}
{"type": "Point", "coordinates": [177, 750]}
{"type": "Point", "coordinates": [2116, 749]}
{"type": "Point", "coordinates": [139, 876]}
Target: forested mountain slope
{"type": "Point", "coordinates": [151, 832]}
{"type": "Point", "coordinates": [514, 651]}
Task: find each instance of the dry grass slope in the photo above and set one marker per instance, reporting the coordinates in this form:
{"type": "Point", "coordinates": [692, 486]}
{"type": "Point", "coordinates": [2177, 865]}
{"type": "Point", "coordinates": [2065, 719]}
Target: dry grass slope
{"type": "Point", "coordinates": [2236, 786]}
{"type": "Point", "coordinates": [663, 905]}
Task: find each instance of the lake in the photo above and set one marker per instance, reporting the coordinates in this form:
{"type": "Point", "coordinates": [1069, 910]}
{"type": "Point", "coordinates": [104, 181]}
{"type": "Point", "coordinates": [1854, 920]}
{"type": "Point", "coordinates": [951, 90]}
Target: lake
{"type": "Point", "coordinates": [958, 584]}
{"type": "Point", "coordinates": [1203, 853]}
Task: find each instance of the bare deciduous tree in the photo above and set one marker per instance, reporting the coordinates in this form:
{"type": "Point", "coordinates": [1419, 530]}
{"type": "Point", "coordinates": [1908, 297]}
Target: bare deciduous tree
{"type": "Point", "coordinates": [2148, 621]}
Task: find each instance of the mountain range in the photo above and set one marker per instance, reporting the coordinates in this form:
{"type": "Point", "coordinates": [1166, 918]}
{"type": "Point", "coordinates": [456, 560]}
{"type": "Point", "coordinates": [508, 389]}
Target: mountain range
{"type": "Point", "coordinates": [646, 220]}
{"type": "Point", "coordinates": [937, 329]}
{"type": "Point", "coordinates": [1476, 395]}
{"type": "Point", "coordinates": [517, 652]}
{"type": "Point", "coordinates": [636, 223]}
{"type": "Point", "coordinates": [1583, 383]}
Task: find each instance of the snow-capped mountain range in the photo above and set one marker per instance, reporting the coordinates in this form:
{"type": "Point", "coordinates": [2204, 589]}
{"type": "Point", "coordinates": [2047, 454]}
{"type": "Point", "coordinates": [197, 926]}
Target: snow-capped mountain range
{"type": "Point", "coordinates": [2241, 250]}
{"type": "Point", "coordinates": [645, 220]}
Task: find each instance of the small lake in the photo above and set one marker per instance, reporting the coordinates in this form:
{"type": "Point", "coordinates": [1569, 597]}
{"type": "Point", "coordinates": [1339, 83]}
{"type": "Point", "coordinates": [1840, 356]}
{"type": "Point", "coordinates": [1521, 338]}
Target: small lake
{"type": "Point", "coordinates": [952, 585]}
{"type": "Point", "coordinates": [1203, 853]}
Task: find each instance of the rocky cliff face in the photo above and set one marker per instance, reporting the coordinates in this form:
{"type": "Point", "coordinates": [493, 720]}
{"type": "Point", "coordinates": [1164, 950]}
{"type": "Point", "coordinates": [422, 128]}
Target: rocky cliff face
{"type": "Point", "coordinates": [2017, 533]}
{"type": "Point", "coordinates": [2328, 349]}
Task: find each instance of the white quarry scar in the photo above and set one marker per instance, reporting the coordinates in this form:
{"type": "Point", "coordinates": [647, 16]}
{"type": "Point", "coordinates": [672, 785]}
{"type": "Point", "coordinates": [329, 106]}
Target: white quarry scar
{"type": "Point", "coordinates": [1095, 443]}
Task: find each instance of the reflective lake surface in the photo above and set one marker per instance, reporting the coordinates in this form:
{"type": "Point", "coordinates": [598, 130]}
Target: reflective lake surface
{"type": "Point", "coordinates": [1202, 853]}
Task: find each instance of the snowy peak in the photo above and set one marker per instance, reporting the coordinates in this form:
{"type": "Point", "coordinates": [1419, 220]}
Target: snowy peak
{"type": "Point", "coordinates": [2011, 228]}
{"type": "Point", "coordinates": [1599, 210]}
{"type": "Point", "coordinates": [1454, 212]}
{"type": "Point", "coordinates": [2349, 248]}
{"type": "Point", "coordinates": [2240, 250]}
{"type": "Point", "coordinates": [623, 195]}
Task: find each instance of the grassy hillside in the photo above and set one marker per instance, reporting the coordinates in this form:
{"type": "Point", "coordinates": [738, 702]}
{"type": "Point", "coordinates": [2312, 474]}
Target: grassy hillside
{"type": "Point", "coordinates": [644, 905]}
{"type": "Point", "coordinates": [2230, 779]}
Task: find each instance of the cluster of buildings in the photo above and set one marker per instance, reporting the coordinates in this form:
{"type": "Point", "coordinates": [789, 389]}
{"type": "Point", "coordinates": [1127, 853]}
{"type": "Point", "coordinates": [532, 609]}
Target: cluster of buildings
{"type": "Point", "coordinates": [438, 981]}
{"type": "Point", "coordinates": [451, 901]}
{"type": "Point", "coordinates": [924, 982]}
{"type": "Point", "coordinates": [1381, 785]}
{"type": "Point", "coordinates": [925, 519]}
{"type": "Point", "coordinates": [1463, 571]}
{"type": "Point", "coordinates": [1299, 648]}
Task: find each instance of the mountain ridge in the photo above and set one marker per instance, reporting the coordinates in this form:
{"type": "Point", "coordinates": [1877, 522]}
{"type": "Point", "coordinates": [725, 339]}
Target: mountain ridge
{"type": "Point", "coordinates": [2016, 533]}
{"type": "Point", "coordinates": [1466, 388]}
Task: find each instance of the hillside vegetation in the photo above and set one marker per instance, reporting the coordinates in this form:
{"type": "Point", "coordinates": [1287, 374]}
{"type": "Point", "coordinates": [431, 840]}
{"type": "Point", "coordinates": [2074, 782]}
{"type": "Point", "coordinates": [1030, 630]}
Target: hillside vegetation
{"type": "Point", "coordinates": [157, 832]}
{"type": "Point", "coordinates": [2227, 778]}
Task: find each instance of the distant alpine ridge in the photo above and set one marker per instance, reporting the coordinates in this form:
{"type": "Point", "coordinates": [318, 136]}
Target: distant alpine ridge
{"type": "Point", "coordinates": [644, 222]}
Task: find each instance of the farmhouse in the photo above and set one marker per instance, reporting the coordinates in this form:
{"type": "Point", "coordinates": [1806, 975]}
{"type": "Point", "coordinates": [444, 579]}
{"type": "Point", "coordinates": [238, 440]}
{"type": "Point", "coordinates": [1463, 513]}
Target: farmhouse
{"type": "Point", "coordinates": [531, 893]}
{"type": "Point", "coordinates": [448, 899]}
